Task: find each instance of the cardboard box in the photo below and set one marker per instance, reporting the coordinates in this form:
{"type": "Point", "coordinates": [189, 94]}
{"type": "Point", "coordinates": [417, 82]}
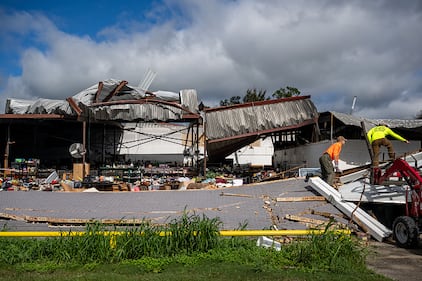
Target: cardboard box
{"type": "Point", "coordinates": [78, 171]}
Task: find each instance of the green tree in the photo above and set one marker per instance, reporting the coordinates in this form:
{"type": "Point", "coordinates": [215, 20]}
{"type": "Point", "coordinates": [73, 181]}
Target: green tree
{"type": "Point", "coordinates": [255, 95]}
{"type": "Point", "coordinates": [233, 100]}
{"type": "Point", "coordinates": [286, 93]}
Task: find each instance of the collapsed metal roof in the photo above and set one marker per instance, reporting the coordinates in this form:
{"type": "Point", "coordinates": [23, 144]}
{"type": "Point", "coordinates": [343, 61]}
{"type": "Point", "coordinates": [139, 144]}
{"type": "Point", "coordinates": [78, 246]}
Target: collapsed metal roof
{"type": "Point", "coordinates": [230, 128]}
{"type": "Point", "coordinates": [351, 120]}
{"type": "Point", "coordinates": [115, 100]}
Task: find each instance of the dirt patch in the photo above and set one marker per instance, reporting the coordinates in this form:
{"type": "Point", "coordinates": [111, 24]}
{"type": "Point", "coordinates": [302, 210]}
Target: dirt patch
{"type": "Point", "coordinates": [396, 263]}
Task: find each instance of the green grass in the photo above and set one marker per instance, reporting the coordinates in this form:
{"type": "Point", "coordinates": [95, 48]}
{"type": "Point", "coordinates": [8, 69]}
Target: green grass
{"type": "Point", "coordinates": [191, 249]}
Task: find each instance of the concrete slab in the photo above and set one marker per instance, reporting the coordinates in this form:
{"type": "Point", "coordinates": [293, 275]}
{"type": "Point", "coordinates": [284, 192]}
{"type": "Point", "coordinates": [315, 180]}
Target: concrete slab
{"type": "Point", "coordinates": [250, 206]}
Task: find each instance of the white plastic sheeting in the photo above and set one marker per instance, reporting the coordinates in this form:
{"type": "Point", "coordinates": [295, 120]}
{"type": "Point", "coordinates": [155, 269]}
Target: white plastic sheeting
{"type": "Point", "coordinates": [39, 106]}
{"type": "Point", "coordinates": [127, 103]}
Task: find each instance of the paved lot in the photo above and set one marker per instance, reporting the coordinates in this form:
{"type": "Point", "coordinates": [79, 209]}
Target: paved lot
{"type": "Point", "coordinates": [254, 205]}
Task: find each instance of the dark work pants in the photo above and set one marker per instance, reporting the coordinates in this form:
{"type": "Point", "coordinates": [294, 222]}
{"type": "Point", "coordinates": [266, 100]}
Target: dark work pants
{"type": "Point", "coordinates": [327, 168]}
{"type": "Point", "coordinates": [376, 146]}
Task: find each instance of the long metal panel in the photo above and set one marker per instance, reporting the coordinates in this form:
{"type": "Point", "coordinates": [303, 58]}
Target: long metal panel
{"type": "Point", "coordinates": [363, 191]}
{"type": "Point", "coordinates": [359, 216]}
{"type": "Point", "coordinates": [365, 173]}
{"type": "Point", "coordinates": [254, 118]}
{"type": "Point", "coordinates": [414, 160]}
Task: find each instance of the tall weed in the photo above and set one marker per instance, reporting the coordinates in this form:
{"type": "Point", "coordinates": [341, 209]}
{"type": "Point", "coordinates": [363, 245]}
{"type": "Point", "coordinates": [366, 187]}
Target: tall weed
{"type": "Point", "coordinates": [333, 251]}
{"type": "Point", "coordinates": [186, 240]}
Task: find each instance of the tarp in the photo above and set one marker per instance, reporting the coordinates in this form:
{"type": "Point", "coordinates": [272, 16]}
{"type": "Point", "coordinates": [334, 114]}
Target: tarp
{"type": "Point", "coordinates": [114, 99]}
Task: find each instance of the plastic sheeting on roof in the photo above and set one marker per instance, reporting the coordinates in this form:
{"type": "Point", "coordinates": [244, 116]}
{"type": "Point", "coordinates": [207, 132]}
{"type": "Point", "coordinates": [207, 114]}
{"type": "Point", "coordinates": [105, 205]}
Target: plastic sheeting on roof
{"type": "Point", "coordinates": [39, 106]}
{"type": "Point", "coordinates": [127, 92]}
{"type": "Point", "coordinates": [189, 99]}
{"type": "Point", "coordinates": [114, 100]}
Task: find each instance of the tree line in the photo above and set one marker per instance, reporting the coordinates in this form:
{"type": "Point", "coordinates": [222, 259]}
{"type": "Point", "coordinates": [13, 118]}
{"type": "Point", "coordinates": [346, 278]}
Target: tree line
{"type": "Point", "coordinates": [253, 95]}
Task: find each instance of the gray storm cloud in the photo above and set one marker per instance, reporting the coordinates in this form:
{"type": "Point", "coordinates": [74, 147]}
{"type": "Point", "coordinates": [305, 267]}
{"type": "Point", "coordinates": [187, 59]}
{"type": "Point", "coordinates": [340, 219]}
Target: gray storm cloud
{"type": "Point", "coordinates": [331, 50]}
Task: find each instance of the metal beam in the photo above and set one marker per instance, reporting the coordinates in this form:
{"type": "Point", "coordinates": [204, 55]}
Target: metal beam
{"type": "Point", "coordinates": [359, 216]}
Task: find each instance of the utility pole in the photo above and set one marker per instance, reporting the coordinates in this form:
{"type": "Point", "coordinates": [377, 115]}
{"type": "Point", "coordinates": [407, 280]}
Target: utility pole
{"type": "Point", "coordinates": [6, 153]}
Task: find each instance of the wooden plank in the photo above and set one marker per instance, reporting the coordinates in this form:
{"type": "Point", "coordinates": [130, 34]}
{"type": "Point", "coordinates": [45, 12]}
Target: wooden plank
{"type": "Point", "coordinates": [12, 217]}
{"type": "Point", "coordinates": [327, 214]}
{"type": "Point", "coordinates": [300, 199]}
{"type": "Point", "coordinates": [236, 194]}
{"type": "Point", "coordinates": [70, 221]}
{"type": "Point", "coordinates": [304, 219]}
{"type": "Point", "coordinates": [83, 221]}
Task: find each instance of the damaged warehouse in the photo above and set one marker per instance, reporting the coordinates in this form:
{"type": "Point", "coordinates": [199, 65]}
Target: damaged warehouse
{"type": "Point", "coordinates": [113, 123]}
{"type": "Point", "coordinates": [118, 124]}
{"type": "Point", "coordinates": [105, 118]}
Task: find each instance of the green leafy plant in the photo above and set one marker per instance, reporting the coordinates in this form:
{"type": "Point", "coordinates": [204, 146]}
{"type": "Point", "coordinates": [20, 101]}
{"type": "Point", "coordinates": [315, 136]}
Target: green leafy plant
{"type": "Point", "coordinates": [190, 241]}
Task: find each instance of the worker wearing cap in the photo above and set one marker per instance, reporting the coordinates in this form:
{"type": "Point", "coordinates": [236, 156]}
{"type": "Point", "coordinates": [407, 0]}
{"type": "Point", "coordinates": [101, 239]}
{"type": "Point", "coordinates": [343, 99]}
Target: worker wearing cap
{"type": "Point", "coordinates": [327, 158]}
{"type": "Point", "coordinates": [377, 137]}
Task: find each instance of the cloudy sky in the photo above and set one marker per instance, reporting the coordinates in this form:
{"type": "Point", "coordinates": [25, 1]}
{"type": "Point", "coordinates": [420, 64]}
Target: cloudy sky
{"type": "Point", "coordinates": [330, 50]}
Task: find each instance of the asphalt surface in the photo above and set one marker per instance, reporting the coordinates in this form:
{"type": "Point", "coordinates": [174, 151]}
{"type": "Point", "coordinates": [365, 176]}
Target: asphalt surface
{"type": "Point", "coordinates": [254, 206]}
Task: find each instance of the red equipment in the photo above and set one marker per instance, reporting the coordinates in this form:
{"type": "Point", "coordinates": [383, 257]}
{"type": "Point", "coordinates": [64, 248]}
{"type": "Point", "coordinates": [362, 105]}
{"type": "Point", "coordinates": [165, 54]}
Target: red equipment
{"type": "Point", "coordinates": [406, 228]}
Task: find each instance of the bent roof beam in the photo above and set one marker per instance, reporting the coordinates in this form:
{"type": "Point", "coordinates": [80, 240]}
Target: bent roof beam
{"type": "Point", "coordinates": [115, 91]}
{"type": "Point", "coordinates": [186, 115]}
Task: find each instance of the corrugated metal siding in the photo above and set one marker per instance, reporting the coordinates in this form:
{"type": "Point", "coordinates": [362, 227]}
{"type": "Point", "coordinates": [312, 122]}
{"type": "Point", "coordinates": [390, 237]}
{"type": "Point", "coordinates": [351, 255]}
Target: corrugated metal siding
{"type": "Point", "coordinates": [189, 99]}
{"type": "Point", "coordinates": [369, 123]}
{"type": "Point", "coordinates": [245, 120]}
{"type": "Point", "coordinates": [229, 129]}
{"type": "Point", "coordinates": [131, 112]}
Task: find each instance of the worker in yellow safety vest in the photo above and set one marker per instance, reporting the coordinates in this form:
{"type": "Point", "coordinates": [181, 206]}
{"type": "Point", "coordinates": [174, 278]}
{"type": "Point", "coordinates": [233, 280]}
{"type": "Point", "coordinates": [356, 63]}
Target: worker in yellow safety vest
{"type": "Point", "coordinates": [377, 137]}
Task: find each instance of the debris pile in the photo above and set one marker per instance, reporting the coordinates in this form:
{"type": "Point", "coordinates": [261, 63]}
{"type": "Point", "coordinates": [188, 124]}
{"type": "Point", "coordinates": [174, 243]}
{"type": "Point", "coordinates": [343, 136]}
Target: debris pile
{"type": "Point", "coordinates": [116, 181]}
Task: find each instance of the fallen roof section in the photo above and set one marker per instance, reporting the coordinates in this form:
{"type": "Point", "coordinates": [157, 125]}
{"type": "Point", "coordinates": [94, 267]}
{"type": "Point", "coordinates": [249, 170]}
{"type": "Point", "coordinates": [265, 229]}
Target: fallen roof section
{"type": "Point", "coordinates": [352, 120]}
{"type": "Point", "coordinates": [363, 191]}
{"type": "Point", "coordinates": [356, 186]}
{"type": "Point", "coordinates": [231, 127]}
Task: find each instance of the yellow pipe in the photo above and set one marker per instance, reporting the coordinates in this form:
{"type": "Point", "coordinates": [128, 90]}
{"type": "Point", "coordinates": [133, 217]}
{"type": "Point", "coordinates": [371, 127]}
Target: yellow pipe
{"type": "Point", "coordinates": [300, 232]}
{"type": "Point", "coordinates": [297, 232]}
{"type": "Point", "coordinates": [37, 234]}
